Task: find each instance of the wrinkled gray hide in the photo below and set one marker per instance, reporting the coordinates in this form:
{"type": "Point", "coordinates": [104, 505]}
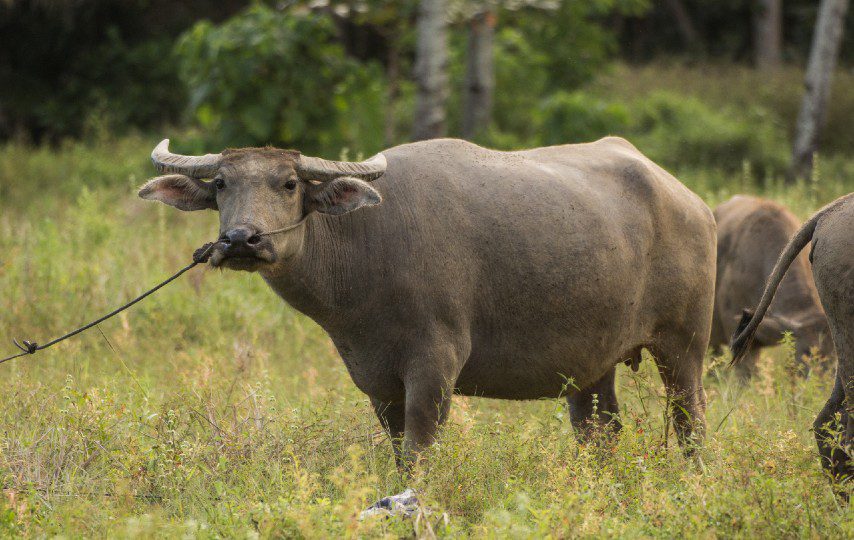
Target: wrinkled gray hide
{"type": "Point", "coordinates": [497, 274]}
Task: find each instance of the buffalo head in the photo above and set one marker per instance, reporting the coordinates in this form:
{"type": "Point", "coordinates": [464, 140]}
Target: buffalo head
{"type": "Point", "coordinates": [258, 190]}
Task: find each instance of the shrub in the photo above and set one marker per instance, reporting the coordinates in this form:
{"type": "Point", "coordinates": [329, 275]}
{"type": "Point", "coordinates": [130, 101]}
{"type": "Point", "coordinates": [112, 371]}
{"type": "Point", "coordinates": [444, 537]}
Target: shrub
{"type": "Point", "coordinates": [673, 130]}
{"type": "Point", "coordinates": [521, 79]}
{"type": "Point", "coordinates": [66, 65]}
{"type": "Point", "coordinates": [580, 117]}
{"type": "Point", "coordinates": [676, 130]}
{"type": "Point", "coordinates": [269, 77]}
{"type": "Point", "coordinates": [738, 88]}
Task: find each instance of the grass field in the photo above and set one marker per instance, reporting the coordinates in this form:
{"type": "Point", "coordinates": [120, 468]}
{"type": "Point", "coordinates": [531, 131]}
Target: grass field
{"type": "Point", "coordinates": [212, 409]}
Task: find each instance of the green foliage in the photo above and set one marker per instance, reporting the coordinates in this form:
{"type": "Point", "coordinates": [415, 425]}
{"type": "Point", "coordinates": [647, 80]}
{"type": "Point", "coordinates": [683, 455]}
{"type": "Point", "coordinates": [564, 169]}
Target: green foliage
{"type": "Point", "coordinates": [573, 37]}
{"type": "Point", "coordinates": [737, 90]}
{"type": "Point", "coordinates": [521, 79]}
{"type": "Point", "coordinates": [580, 117]}
{"type": "Point", "coordinates": [541, 53]}
{"type": "Point", "coordinates": [675, 130]}
{"type": "Point", "coordinates": [269, 77]}
{"type": "Point", "coordinates": [275, 73]}
{"type": "Point", "coordinates": [67, 66]}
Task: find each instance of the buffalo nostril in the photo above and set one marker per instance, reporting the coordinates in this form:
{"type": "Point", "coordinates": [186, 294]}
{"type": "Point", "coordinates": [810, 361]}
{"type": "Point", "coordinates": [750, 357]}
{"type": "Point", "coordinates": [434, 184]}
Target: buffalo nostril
{"type": "Point", "coordinates": [241, 237]}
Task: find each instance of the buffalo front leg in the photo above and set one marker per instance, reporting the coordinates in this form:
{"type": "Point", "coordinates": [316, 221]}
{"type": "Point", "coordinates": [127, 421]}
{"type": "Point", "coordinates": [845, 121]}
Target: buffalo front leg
{"type": "Point", "coordinates": [429, 378]}
{"type": "Point", "coordinates": [428, 400]}
{"type": "Point", "coordinates": [392, 416]}
{"type": "Point", "coordinates": [595, 407]}
{"type": "Point", "coordinates": [429, 382]}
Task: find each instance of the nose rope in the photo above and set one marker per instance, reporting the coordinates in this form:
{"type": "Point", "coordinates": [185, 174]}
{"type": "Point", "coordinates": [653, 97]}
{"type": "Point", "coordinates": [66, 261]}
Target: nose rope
{"type": "Point", "coordinates": [285, 229]}
{"type": "Point", "coordinates": [200, 256]}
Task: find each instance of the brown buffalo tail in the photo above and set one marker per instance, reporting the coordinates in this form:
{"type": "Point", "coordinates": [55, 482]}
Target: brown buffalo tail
{"type": "Point", "coordinates": [743, 336]}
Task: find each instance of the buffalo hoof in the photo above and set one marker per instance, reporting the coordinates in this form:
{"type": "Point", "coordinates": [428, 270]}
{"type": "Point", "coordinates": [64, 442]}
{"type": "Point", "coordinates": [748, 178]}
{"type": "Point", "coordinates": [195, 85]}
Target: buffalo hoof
{"type": "Point", "coordinates": [403, 504]}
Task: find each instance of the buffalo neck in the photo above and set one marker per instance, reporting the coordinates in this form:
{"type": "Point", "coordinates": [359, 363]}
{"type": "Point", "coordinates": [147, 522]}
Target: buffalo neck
{"type": "Point", "coordinates": [317, 280]}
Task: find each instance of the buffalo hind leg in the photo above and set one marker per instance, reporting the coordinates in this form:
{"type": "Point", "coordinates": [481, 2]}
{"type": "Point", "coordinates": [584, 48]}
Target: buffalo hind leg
{"type": "Point", "coordinates": [833, 436]}
{"type": "Point", "coordinates": [680, 364]}
{"type": "Point", "coordinates": [595, 408]}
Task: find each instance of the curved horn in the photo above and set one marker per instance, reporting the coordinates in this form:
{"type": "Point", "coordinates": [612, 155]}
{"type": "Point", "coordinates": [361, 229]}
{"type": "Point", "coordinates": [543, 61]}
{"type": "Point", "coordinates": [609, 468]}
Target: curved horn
{"type": "Point", "coordinates": [193, 166]}
{"type": "Point", "coordinates": [312, 168]}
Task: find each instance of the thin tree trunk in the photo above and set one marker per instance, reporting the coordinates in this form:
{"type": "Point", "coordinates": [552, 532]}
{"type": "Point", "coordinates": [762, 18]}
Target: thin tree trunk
{"type": "Point", "coordinates": [684, 25]}
{"type": "Point", "coordinates": [480, 80]}
{"type": "Point", "coordinates": [393, 76]}
{"type": "Point", "coordinates": [827, 39]}
{"type": "Point", "coordinates": [431, 60]}
{"type": "Point", "coordinates": [768, 34]}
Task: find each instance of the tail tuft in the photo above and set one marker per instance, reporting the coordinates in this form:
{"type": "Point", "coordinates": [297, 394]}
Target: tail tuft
{"type": "Point", "coordinates": [740, 343]}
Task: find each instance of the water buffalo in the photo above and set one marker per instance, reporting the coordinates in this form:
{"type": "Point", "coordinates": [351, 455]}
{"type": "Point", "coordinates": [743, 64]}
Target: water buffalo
{"type": "Point", "coordinates": [496, 274]}
{"type": "Point", "coordinates": [752, 233]}
{"type": "Point", "coordinates": [831, 231]}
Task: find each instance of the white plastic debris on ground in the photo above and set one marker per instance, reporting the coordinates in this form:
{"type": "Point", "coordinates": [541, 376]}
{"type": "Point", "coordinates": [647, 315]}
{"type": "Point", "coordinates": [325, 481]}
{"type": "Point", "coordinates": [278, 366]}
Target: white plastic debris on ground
{"type": "Point", "coordinates": [403, 504]}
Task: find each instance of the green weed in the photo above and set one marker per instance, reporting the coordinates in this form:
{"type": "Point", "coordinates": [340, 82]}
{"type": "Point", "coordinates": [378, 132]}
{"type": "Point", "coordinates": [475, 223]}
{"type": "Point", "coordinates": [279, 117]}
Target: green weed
{"type": "Point", "coordinates": [214, 410]}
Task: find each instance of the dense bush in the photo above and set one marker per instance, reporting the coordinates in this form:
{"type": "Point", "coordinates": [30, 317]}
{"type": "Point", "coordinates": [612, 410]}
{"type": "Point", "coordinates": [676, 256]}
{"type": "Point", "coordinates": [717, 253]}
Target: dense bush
{"type": "Point", "coordinates": [268, 77]}
{"type": "Point", "coordinates": [578, 39]}
{"type": "Point", "coordinates": [67, 67]}
{"type": "Point", "coordinates": [522, 79]}
{"type": "Point", "coordinates": [738, 88]}
{"type": "Point", "coordinates": [677, 130]}
{"type": "Point", "coordinates": [580, 117]}
{"type": "Point", "coordinates": [671, 129]}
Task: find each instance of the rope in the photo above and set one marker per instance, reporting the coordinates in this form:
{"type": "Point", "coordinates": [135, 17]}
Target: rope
{"type": "Point", "coordinates": [285, 229]}
{"type": "Point", "coordinates": [200, 256]}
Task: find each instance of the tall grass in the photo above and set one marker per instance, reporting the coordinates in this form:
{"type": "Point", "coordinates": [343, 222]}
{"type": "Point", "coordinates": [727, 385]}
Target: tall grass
{"type": "Point", "coordinates": [212, 409]}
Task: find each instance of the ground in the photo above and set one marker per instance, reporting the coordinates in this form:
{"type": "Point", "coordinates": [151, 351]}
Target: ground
{"type": "Point", "coordinates": [213, 409]}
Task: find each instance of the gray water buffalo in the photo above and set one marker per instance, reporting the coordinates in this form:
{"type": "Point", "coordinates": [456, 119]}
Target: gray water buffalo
{"type": "Point", "coordinates": [831, 231]}
{"type": "Point", "coordinates": [440, 266]}
{"type": "Point", "coordinates": [752, 232]}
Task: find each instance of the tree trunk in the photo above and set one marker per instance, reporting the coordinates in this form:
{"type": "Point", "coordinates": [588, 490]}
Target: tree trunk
{"type": "Point", "coordinates": [393, 76]}
{"type": "Point", "coordinates": [827, 39]}
{"type": "Point", "coordinates": [685, 26]}
{"type": "Point", "coordinates": [768, 34]}
{"type": "Point", "coordinates": [480, 80]}
{"type": "Point", "coordinates": [431, 60]}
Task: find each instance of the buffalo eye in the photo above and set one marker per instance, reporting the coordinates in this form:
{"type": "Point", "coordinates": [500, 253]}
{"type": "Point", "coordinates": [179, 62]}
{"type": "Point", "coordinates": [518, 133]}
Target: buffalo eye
{"type": "Point", "coordinates": [290, 185]}
{"type": "Point", "coordinates": [219, 183]}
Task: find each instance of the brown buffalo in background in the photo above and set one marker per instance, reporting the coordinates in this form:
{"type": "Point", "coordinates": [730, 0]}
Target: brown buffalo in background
{"type": "Point", "coordinates": [752, 232]}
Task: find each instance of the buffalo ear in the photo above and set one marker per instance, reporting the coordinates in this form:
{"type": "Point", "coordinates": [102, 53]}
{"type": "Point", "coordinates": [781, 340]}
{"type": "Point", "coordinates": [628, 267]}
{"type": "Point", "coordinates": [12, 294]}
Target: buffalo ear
{"type": "Point", "coordinates": [340, 196]}
{"type": "Point", "coordinates": [182, 192]}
